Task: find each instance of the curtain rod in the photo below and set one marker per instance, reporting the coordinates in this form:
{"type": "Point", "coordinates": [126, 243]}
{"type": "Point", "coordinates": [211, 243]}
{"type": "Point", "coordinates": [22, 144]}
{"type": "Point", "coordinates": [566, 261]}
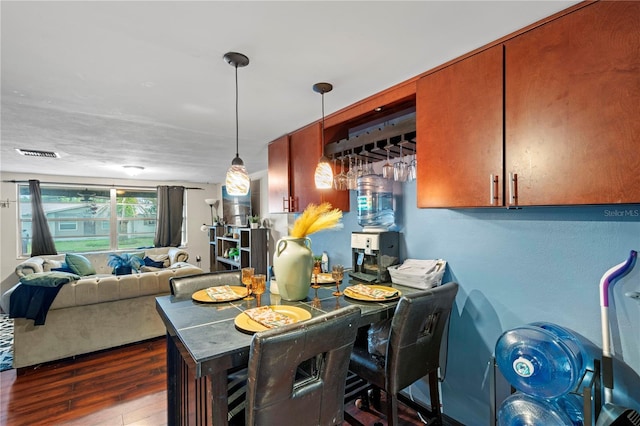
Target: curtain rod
{"type": "Point", "coordinates": [97, 185]}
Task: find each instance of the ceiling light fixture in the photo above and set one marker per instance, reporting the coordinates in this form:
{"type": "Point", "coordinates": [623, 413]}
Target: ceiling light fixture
{"type": "Point", "coordinates": [324, 173]}
{"type": "Point", "coordinates": [133, 170]}
{"type": "Point", "coordinates": [237, 180]}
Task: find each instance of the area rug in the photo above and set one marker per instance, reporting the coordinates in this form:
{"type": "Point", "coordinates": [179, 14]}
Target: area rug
{"type": "Point", "coordinates": [6, 342]}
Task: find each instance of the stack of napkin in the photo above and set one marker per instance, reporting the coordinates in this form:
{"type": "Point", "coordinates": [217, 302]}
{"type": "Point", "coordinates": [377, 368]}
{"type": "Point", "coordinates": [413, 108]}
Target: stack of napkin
{"type": "Point", "coordinates": [374, 293]}
{"type": "Point", "coordinates": [418, 273]}
{"type": "Point", "coordinates": [268, 317]}
{"type": "Point", "coordinates": [222, 293]}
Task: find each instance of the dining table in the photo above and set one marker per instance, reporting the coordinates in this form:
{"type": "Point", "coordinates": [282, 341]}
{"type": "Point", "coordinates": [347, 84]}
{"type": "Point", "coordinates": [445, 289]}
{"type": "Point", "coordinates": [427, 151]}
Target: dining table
{"type": "Point", "coordinates": [205, 343]}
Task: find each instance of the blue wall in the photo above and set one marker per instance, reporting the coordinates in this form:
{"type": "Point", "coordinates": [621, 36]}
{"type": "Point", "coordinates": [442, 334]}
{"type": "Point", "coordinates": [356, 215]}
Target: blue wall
{"type": "Point", "coordinates": [515, 267]}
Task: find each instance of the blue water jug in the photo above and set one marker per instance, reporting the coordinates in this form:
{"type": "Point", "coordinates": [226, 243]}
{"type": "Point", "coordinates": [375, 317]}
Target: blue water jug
{"type": "Point", "coordinates": [375, 202]}
{"type": "Point", "coordinates": [541, 359]}
{"type": "Point", "coordinates": [521, 409]}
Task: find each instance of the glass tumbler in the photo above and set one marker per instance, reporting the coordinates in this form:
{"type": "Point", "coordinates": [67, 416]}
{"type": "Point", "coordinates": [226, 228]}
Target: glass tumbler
{"type": "Point", "coordinates": [247, 274]}
{"type": "Point", "coordinates": [258, 286]}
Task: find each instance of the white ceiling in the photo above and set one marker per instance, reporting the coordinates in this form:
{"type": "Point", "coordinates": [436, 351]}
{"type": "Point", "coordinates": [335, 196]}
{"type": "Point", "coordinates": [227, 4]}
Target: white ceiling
{"type": "Point", "coordinates": [111, 83]}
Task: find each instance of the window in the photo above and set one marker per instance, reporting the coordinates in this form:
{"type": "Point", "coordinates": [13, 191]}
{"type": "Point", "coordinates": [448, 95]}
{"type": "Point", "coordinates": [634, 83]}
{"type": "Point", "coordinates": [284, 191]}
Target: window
{"type": "Point", "coordinates": [68, 226]}
{"type": "Point", "coordinates": [93, 219]}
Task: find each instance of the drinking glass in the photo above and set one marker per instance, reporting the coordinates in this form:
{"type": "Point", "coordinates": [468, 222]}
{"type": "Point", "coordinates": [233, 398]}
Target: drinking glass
{"type": "Point", "coordinates": [337, 273]}
{"type": "Point", "coordinates": [368, 166]}
{"type": "Point", "coordinates": [352, 175]}
{"type": "Point", "coordinates": [317, 268]}
{"type": "Point", "coordinates": [387, 168]}
{"type": "Point", "coordinates": [340, 181]}
{"type": "Point", "coordinates": [412, 170]}
{"type": "Point", "coordinates": [344, 185]}
{"type": "Point", "coordinates": [247, 273]}
{"type": "Point", "coordinates": [316, 302]}
{"type": "Point", "coordinates": [258, 286]}
{"type": "Point", "coordinates": [400, 169]}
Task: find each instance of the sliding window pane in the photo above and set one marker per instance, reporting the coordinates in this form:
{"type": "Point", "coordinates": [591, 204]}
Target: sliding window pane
{"type": "Point", "coordinates": [136, 212]}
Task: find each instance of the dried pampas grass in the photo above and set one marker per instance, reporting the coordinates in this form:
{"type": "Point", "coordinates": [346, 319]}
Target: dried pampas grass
{"type": "Point", "coordinates": [316, 218]}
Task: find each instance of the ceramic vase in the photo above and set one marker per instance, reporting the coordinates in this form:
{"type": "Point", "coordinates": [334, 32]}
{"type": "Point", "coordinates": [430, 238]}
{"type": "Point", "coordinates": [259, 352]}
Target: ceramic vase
{"type": "Point", "coordinates": [293, 266]}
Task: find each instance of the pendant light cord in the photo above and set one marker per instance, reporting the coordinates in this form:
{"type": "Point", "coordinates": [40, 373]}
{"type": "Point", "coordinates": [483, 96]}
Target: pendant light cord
{"type": "Point", "coordinates": [237, 153]}
{"type": "Point", "coordinates": [322, 123]}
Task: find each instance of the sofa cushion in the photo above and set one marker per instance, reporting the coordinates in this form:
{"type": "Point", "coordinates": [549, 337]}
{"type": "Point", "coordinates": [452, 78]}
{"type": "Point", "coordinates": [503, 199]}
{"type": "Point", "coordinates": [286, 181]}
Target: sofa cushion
{"type": "Point", "coordinates": [79, 264]}
{"type": "Point", "coordinates": [139, 254]}
{"type": "Point", "coordinates": [49, 279]}
{"type": "Point", "coordinates": [63, 268]}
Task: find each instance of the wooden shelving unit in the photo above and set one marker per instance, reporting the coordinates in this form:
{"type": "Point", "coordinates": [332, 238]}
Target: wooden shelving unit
{"type": "Point", "coordinates": [214, 232]}
{"type": "Point", "coordinates": [251, 243]}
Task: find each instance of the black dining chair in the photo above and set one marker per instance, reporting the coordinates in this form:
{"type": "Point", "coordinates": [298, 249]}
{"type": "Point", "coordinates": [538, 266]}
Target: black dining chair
{"type": "Point", "coordinates": [297, 373]}
{"type": "Point", "coordinates": [184, 286]}
{"type": "Point", "coordinates": [412, 351]}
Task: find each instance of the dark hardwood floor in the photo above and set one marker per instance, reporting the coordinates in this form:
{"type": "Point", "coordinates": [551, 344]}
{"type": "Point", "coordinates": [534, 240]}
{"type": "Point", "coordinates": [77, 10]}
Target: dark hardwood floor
{"type": "Point", "coordinates": [123, 386]}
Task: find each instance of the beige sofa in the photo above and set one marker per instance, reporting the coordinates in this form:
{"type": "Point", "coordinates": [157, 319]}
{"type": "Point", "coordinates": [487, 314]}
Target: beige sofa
{"type": "Point", "coordinates": [97, 311]}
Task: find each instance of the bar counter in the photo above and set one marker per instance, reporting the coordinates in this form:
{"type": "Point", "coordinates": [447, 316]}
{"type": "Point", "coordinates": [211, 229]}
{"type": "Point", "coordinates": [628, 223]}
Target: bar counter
{"type": "Point", "coordinates": [203, 345]}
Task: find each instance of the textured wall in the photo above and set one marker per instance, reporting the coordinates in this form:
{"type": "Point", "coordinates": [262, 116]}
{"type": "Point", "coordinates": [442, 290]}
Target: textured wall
{"type": "Point", "coordinates": [515, 267]}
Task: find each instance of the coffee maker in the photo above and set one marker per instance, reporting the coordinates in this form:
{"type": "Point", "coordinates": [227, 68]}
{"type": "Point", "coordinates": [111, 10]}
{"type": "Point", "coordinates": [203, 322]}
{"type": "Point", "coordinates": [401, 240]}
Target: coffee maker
{"type": "Point", "coordinates": [373, 253]}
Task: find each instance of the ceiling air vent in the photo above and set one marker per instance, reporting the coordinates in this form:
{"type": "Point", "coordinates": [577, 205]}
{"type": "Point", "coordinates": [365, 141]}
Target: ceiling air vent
{"type": "Point", "coordinates": [35, 153]}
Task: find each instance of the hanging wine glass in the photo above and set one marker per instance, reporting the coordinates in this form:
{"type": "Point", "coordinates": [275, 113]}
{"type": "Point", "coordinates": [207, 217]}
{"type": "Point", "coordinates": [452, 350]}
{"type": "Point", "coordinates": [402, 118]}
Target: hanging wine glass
{"type": "Point", "coordinates": [352, 175]}
{"type": "Point", "coordinates": [336, 177]}
{"type": "Point", "coordinates": [412, 169]}
{"type": "Point", "coordinates": [342, 182]}
{"type": "Point", "coordinates": [400, 169]}
{"type": "Point", "coordinates": [368, 165]}
{"type": "Point", "coordinates": [387, 168]}
{"type": "Point", "coordinates": [365, 163]}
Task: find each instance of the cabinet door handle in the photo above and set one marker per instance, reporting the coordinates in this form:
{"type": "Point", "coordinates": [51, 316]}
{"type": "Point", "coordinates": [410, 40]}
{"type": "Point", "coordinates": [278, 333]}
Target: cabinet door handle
{"type": "Point", "coordinates": [285, 204]}
{"type": "Point", "coordinates": [493, 189]}
{"type": "Point", "coordinates": [513, 189]}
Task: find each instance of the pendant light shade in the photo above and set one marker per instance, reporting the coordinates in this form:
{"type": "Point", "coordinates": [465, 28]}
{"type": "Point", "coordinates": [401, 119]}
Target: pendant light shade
{"type": "Point", "coordinates": [237, 180]}
{"type": "Point", "coordinates": [323, 175]}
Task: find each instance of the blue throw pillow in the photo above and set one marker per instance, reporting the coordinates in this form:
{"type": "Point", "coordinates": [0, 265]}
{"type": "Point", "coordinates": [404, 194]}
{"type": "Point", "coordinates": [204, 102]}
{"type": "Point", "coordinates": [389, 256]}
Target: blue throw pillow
{"type": "Point", "coordinates": [79, 264]}
{"type": "Point", "coordinates": [63, 268]}
{"type": "Point", "coordinates": [48, 279]}
{"type": "Point", "coordinates": [150, 262]}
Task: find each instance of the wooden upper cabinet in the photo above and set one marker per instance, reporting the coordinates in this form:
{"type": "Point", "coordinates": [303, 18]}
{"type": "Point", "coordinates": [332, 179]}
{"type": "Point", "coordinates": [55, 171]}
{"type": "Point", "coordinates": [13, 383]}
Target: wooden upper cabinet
{"type": "Point", "coordinates": [573, 106]}
{"type": "Point", "coordinates": [459, 132]}
{"type": "Point", "coordinates": [292, 163]}
{"type": "Point", "coordinates": [278, 174]}
{"type": "Point", "coordinates": [305, 150]}
{"type": "Point", "coordinates": [571, 90]}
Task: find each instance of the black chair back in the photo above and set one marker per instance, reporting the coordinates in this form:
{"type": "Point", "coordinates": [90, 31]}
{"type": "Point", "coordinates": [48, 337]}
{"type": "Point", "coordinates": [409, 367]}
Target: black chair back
{"type": "Point", "coordinates": [417, 330]}
{"type": "Point", "coordinates": [412, 352]}
{"type": "Point", "coordinates": [297, 373]}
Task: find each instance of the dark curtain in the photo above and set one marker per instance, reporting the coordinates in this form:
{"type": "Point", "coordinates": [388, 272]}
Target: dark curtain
{"type": "Point", "coordinates": [169, 224]}
{"type": "Point", "coordinates": [42, 242]}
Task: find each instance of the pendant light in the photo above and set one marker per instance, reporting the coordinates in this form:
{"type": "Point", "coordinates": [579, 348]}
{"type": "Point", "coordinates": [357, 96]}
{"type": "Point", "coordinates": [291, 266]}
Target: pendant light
{"type": "Point", "coordinates": [324, 173]}
{"type": "Point", "coordinates": [237, 180]}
